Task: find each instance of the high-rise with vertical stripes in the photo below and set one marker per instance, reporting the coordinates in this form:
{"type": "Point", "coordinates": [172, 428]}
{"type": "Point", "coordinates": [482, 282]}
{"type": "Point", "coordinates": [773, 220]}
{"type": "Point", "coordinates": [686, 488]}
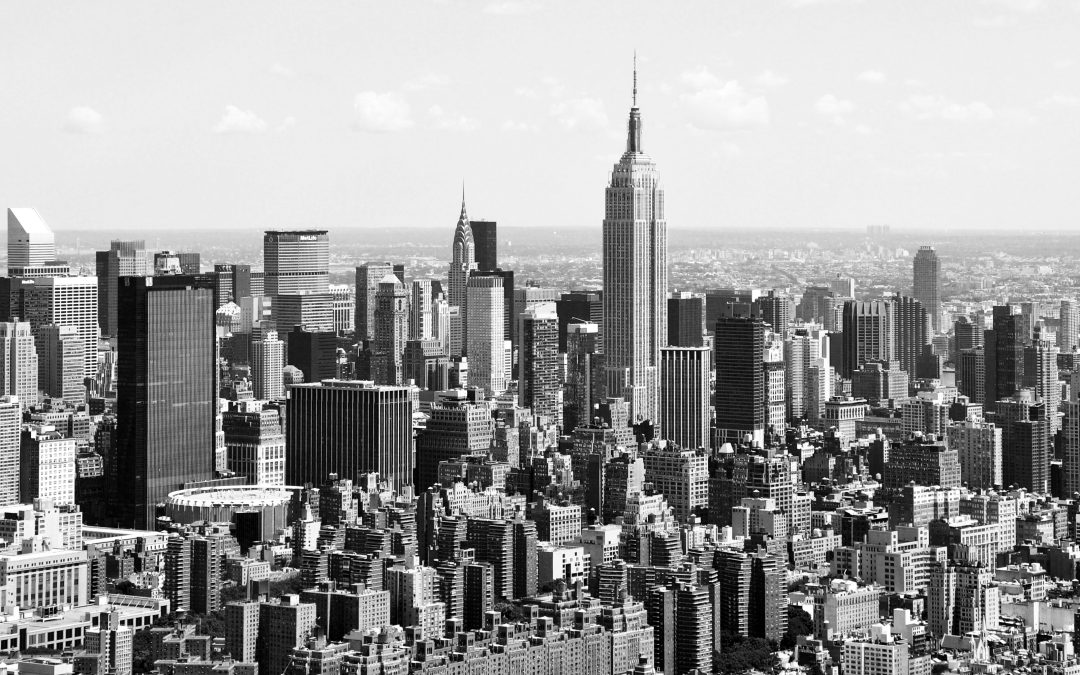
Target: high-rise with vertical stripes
{"type": "Point", "coordinates": [635, 275]}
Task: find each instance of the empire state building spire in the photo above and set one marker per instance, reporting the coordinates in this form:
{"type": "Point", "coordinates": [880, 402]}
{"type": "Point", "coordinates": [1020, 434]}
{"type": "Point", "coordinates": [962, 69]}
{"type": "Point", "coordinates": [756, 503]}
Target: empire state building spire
{"type": "Point", "coordinates": [633, 133]}
{"type": "Point", "coordinates": [635, 275]}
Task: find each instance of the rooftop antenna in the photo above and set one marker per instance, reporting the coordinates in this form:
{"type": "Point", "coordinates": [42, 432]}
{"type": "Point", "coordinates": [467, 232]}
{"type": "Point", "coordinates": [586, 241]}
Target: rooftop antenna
{"type": "Point", "coordinates": [635, 78]}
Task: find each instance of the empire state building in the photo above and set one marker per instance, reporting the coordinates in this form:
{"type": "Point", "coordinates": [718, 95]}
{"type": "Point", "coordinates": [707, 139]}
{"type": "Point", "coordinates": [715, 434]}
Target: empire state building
{"type": "Point", "coordinates": [635, 276]}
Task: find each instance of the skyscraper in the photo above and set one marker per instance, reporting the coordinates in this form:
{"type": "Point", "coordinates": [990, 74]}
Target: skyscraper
{"type": "Point", "coordinates": [511, 309]}
{"type": "Point", "coordinates": [62, 363]}
{"type": "Point", "coordinates": [684, 396]}
{"type": "Point", "coordinates": [584, 374]}
{"type": "Point", "coordinates": [314, 353]}
{"type": "Point", "coordinates": [1070, 433]}
{"type": "Point", "coordinates": [47, 465]}
{"type": "Point", "coordinates": [348, 428]}
{"type": "Point", "coordinates": [971, 374]}
{"type": "Point", "coordinates": [777, 309]}
{"type": "Point", "coordinates": [579, 306]}
{"type": "Point", "coordinates": [123, 259]}
{"type": "Point", "coordinates": [231, 282]}
{"type": "Point", "coordinates": [1041, 375]}
{"type": "Point", "coordinates": [176, 262]}
{"type": "Point", "coordinates": [314, 311]}
{"type": "Point", "coordinates": [485, 334]}
{"type": "Point", "coordinates": [1003, 356]}
{"type": "Point", "coordinates": [63, 301]}
{"type": "Point", "coordinates": [978, 446]}
{"type": "Point", "coordinates": [440, 322]}
{"type": "Point", "coordinates": [869, 334]}
{"type": "Point", "coordinates": [1070, 326]}
{"type": "Point", "coordinates": [420, 327]}
{"type": "Point", "coordinates": [30, 240]}
{"type": "Point", "coordinates": [485, 237]}
{"type": "Point", "coordinates": [539, 386]}
{"type": "Point", "coordinates": [462, 262]}
{"type": "Point", "coordinates": [296, 262]}
{"type": "Point", "coordinates": [911, 332]}
{"type": "Point", "coordinates": [455, 427]}
{"type": "Point", "coordinates": [686, 320]}
{"type": "Point", "coordinates": [927, 284]}
{"type": "Point", "coordinates": [344, 305]}
{"type": "Point", "coordinates": [18, 362]}
{"type": "Point", "coordinates": [166, 391]}
{"type": "Point", "coordinates": [267, 362]}
{"type": "Point", "coordinates": [10, 440]}
{"type": "Point", "coordinates": [296, 268]}
{"type": "Point", "coordinates": [368, 276]}
{"type": "Point", "coordinates": [775, 389]}
{"type": "Point", "coordinates": [635, 275]}
{"type": "Point", "coordinates": [391, 330]}
{"type": "Point", "coordinates": [740, 379]}
{"type": "Point", "coordinates": [1026, 446]}
{"type": "Point", "coordinates": [967, 335]}
{"type": "Point", "coordinates": [255, 441]}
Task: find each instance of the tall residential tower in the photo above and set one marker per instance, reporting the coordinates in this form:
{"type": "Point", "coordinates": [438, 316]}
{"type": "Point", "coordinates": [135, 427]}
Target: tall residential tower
{"type": "Point", "coordinates": [927, 284]}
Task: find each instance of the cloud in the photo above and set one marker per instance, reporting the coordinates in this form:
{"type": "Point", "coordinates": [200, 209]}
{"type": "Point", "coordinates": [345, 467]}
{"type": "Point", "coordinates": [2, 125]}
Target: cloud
{"type": "Point", "coordinates": [580, 113]}
{"type": "Point", "coordinates": [730, 150]}
{"type": "Point", "coordinates": [526, 92]}
{"type": "Point", "coordinates": [511, 7]}
{"type": "Point", "coordinates": [1020, 5]}
{"type": "Point", "coordinates": [863, 130]}
{"type": "Point", "coordinates": [712, 104]}
{"type": "Point", "coordinates": [286, 124]}
{"type": "Point", "coordinates": [554, 86]}
{"type": "Point", "coordinates": [282, 71]}
{"type": "Point", "coordinates": [836, 109]}
{"type": "Point", "coordinates": [809, 3]}
{"type": "Point", "coordinates": [511, 125]}
{"type": "Point", "coordinates": [925, 107]}
{"type": "Point", "coordinates": [831, 106]}
{"type": "Point", "coordinates": [83, 120]}
{"type": "Point", "coordinates": [874, 76]}
{"type": "Point", "coordinates": [770, 79]}
{"type": "Point", "coordinates": [425, 82]}
{"type": "Point", "coordinates": [699, 79]}
{"type": "Point", "coordinates": [1060, 100]}
{"type": "Point", "coordinates": [381, 112]}
{"type": "Point", "coordinates": [237, 121]}
{"type": "Point", "coordinates": [440, 120]}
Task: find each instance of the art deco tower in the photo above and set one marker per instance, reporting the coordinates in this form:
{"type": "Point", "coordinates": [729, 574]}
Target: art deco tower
{"type": "Point", "coordinates": [464, 261]}
{"type": "Point", "coordinates": [635, 276]}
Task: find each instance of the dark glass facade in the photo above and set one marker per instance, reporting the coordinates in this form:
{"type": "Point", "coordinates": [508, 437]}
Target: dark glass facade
{"type": "Point", "coordinates": [348, 428]}
{"type": "Point", "coordinates": [166, 391]}
{"type": "Point", "coordinates": [579, 306]}
{"type": "Point", "coordinates": [486, 240]}
{"type": "Point", "coordinates": [740, 377]}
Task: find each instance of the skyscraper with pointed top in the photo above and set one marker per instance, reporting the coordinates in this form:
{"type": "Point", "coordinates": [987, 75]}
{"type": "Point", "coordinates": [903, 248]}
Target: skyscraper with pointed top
{"type": "Point", "coordinates": [635, 275]}
{"type": "Point", "coordinates": [464, 261]}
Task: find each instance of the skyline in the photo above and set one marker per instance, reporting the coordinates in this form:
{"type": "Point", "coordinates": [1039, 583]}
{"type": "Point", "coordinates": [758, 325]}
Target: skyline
{"type": "Point", "coordinates": [808, 114]}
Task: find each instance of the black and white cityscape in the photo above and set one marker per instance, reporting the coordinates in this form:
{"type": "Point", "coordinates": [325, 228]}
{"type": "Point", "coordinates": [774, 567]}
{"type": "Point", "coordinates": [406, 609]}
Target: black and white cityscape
{"type": "Point", "coordinates": [829, 424]}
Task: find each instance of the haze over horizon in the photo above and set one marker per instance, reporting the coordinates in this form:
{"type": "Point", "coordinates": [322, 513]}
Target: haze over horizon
{"type": "Point", "coordinates": [777, 115]}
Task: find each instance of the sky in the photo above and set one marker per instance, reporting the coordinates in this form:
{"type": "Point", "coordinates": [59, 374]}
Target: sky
{"type": "Point", "coordinates": [918, 114]}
